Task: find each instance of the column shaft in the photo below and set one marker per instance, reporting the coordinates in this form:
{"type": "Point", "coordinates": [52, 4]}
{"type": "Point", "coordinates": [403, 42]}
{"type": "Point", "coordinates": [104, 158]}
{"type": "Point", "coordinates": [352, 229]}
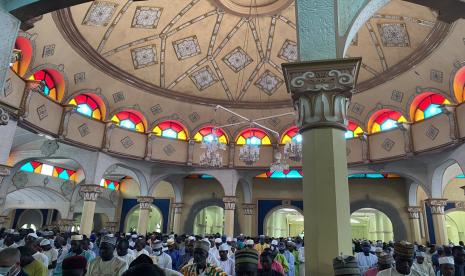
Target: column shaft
{"type": "Point", "coordinates": [229, 208]}
{"type": "Point", "coordinates": [380, 227]}
{"type": "Point", "coordinates": [414, 218]}
{"type": "Point", "coordinates": [439, 223]}
{"type": "Point", "coordinates": [143, 221]}
{"type": "Point", "coordinates": [177, 208]}
{"type": "Point", "coordinates": [87, 217]}
{"type": "Point", "coordinates": [248, 216]}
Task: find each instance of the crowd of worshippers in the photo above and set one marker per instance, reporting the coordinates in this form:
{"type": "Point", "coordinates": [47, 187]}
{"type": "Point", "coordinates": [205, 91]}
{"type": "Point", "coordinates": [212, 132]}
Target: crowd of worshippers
{"type": "Point", "coordinates": [27, 252]}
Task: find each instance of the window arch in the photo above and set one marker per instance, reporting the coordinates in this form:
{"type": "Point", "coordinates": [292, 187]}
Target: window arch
{"type": "Point", "coordinates": [385, 119]}
{"type": "Point", "coordinates": [24, 45]}
{"type": "Point", "coordinates": [45, 76]}
{"type": "Point", "coordinates": [170, 129]}
{"type": "Point", "coordinates": [292, 134]}
{"type": "Point", "coordinates": [87, 105]}
{"type": "Point", "coordinates": [206, 134]}
{"type": "Point", "coordinates": [459, 85]}
{"type": "Point", "coordinates": [253, 136]}
{"type": "Point", "coordinates": [129, 120]}
{"type": "Point", "coordinates": [353, 130]}
{"type": "Point", "coordinates": [427, 105]}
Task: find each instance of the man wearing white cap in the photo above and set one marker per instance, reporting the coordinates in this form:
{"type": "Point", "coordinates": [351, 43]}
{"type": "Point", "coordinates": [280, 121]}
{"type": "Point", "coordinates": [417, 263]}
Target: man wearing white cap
{"type": "Point", "coordinates": [215, 249]}
{"type": "Point", "coordinates": [421, 266]}
{"type": "Point", "coordinates": [75, 250]}
{"type": "Point", "coordinates": [33, 243]}
{"type": "Point", "coordinates": [159, 257]}
{"type": "Point", "coordinates": [446, 266]}
{"type": "Point", "coordinates": [107, 263]}
{"type": "Point", "coordinates": [250, 244]}
{"type": "Point", "coordinates": [227, 264]}
{"type": "Point", "coordinates": [51, 253]}
{"type": "Point", "coordinates": [123, 252]}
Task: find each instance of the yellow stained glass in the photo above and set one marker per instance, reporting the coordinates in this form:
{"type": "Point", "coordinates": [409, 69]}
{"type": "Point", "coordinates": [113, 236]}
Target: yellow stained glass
{"type": "Point", "coordinates": [182, 135]}
{"type": "Point", "coordinates": [55, 173]}
{"type": "Point", "coordinates": [262, 175]}
{"type": "Point", "coordinates": [31, 78]}
{"type": "Point", "coordinates": [73, 102]}
{"type": "Point", "coordinates": [446, 101]}
{"type": "Point", "coordinates": [96, 114]}
{"type": "Point", "coordinates": [222, 139]}
{"type": "Point", "coordinates": [15, 67]}
{"type": "Point", "coordinates": [115, 119]}
{"type": "Point", "coordinates": [402, 119]}
{"type": "Point", "coordinates": [38, 169]}
{"type": "Point", "coordinates": [376, 128]}
{"type": "Point", "coordinates": [286, 139]}
{"type": "Point", "coordinates": [358, 131]}
{"type": "Point", "coordinates": [419, 115]}
{"type": "Point", "coordinates": [198, 137]}
{"type": "Point", "coordinates": [140, 127]}
{"type": "Point", "coordinates": [241, 140]}
{"type": "Point", "coordinates": [266, 141]}
{"type": "Point", "coordinates": [157, 131]}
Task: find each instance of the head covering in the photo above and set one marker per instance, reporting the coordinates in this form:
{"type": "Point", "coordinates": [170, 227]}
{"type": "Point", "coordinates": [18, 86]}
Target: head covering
{"type": "Point", "coordinates": [202, 245]}
{"type": "Point", "coordinates": [246, 255]}
{"type": "Point", "coordinates": [262, 236]}
{"type": "Point", "coordinates": [229, 239]}
{"type": "Point", "coordinates": [446, 260]}
{"type": "Point", "coordinates": [274, 242]}
{"type": "Point", "coordinates": [191, 238]}
{"type": "Point", "coordinates": [403, 249]}
{"type": "Point", "coordinates": [234, 239]}
{"type": "Point", "coordinates": [218, 240]}
{"type": "Point", "coordinates": [385, 259]}
{"type": "Point", "coordinates": [33, 235]}
{"type": "Point", "coordinates": [44, 242]}
{"type": "Point", "coordinates": [157, 245]}
{"type": "Point", "coordinates": [128, 234]}
{"type": "Point", "coordinates": [378, 250]}
{"type": "Point", "coordinates": [224, 247]}
{"type": "Point", "coordinates": [77, 237]}
{"type": "Point", "coordinates": [74, 262]}
{"type": "Point", "coordinates": [206, 240]}
{"type": "Point", "coordinates": [366, 243]}
{"type": "Point", "coordinates": [291, 243]}
{"type": "Point", "coordinates": [281, 246]}
{"type": "Point", "coordinates": [249, 242]}
{"type": "Point", "coordinates": [421, 254]}
{"type": "Point", "coordinates": [134, 236]}
{"type": "Point", "coordinates": [170, 242]}
{"type": "Point", "coordinates": [111, 239]}
{"type": "Point", "coordinates": [345, 265]}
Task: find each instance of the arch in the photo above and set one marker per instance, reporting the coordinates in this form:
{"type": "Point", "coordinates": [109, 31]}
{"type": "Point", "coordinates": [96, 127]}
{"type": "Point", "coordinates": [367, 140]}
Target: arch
{"type": "Point", "coordinates": [398, 225]}
{"type": "Point", "coordinates": [247, 190]}
{"type": "Point", "coordinates": [272, 212]}
{"type": "Point", "coordinates": [412, 194]}
{"type": "Point", "coordinates": [427, 105]}
{"type": "Point", "coordinates": [291, 134]}
{"type": "Point", "coordinates": [253, 136]}
{"type": "Point", "coordinates": [209, 221]}
{"type": "Point", "coordinates": [459, 85]}
{"type": "Point", "coordinates": [122, 169]}
{"type": "Point", "coordinates": [208, 133]}
{"type": "Point", "coordinates": [98, 96]}
{"type": "Point", "coordinates": [54, 83]}
{"type": "Point", "coordinates": [89, 105]}
{"type": "Point", "coordinates": [30, 217]}
{"type": "Point", "coordinates": [440, 179]}
{"type": "Point", "coordinates": [353, 130]}
{"type": "Point", "coordinates": [385, 119]}
{"type": "Point", "coordinates": [455, 225]}
{"type": "Point", "coordinates": [130, 119]}
{"type": "Point", "coordinates": [132, 218]}
{"type": "Point", "coordinates": [23, 44]}
{"type": "Point", "coordinates": [371, 224]}
{"type": "Point", "coordinates": [171, 129]}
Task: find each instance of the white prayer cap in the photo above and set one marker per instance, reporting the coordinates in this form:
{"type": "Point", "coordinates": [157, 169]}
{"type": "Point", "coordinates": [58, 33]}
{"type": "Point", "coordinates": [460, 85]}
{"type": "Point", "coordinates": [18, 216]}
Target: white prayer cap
{"type": "Point", "coordinates": [134, 236]}
{"type": "Point", "coordinates": [44, 242]}
{"type": "Point", "coordinates": [262, 236]}
{"type": "Point", "coordinates": [421, 254]}
{"type": "Point", "coordinates": [157, 245]}
{"type": "Point", "coordinates": [218, 240]}
{"type": "Point", "coordinates": [229, 239]}
{"type": "Point", "coordinates": [171, 236]}
{"type": "Point", "coordinates": [234, 239]}
{"type": "Point", "coordinates": [274, 242]}
{"type": "Point", "coordinates": [249, 242]}
{"type": "Point", "coordinates": [206, 239]}
{"type": "Point", "coordinates": [446, 260]}
{"type": "Point", "coordinates": [77, 237]}
{"type": "Point", "coordinates": [128, 234]}
{"type": "Point", "coordinates": [191, 238]}
{"type": "Point", "coordinates": [224, 247]}
{"type": "Point", "coordinates": [170, 242]}
{"type": "Point", "coordinates": [33, 235]}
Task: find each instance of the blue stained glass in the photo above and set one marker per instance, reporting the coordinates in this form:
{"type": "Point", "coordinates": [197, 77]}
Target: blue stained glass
{"type": "Point", "coordinates": [374, 175]}
{"type": "Point", "coordinates": [349, 134]}
{"type": "Point", "coordinates": [357, 175]}
{"type": "Point", "coordinates": [127, 124]}
{"type": "Point", "coordinates": [169, 133]}
{"type": "Point", "coordinates": [27, 167]}
{"type": "Point", "coordinates": [460, 176]}
{"type": "Point", "coordinates": [388, 124]}
{"type": "Point", "coordinates": [294, 174]}
{"type": "Point", "coordinates": [208, 138]}
{"type": "Point", "coordinates": [64, 175]}
{"type": "Point", "coordinates": [84, 109]}
{"type": "Point", "coordinates": [46, 90]}
{"type": "Point", "coordinates": [432, 110]}
{"type": "Point", "coordinates": [278, 175]}
{"type": "Point", "coordinates": [254, 141]}
{"type": "Point", "coordinates": [111, 186]}
{"type": "Point", "coordinates": [206, 176]}
{"type": "Point", "coordinates": [297, 138]}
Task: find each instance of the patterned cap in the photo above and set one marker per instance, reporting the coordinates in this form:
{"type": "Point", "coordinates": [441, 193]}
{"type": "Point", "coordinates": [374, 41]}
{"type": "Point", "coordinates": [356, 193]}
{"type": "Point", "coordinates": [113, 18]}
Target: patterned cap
{"type": "Point", "coordinates": [247, 256]}
{"type": "Point", "coordinates": [202, 245]}
{"type": "Point", "coordinates": [345, 265]}
{"type": "Point", "coordinates": [404, 249]}
{"type": "Point", "coordinates": [385, 259]}
{"type": "Point", "coordinates": [111, 239]}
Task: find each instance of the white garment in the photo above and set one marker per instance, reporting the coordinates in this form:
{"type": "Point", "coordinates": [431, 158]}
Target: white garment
{"type": "Point", "coordinates": [163, 261]}
{"type": "Point", "coordinates": [114, 267]}
{"type": "Point", "coordinates": [52, 256]}
{"type": "Point", "coordinates": [425, 269]}
{"type": "Point", "coordinates": [215, 252]}
{"type": "Point", "coordinates": [61, 254]}
{"type": "Point", "coordinates": [14, 245]}
{"type": "Point", "coordinates": [302, 261]}
{"type": "Point", "coordinates": [41, 258]}
{"type": "Point", "coordinates": [128, 258]}
{"type": "Point", "coordinates": [138, 253]}
{"type": "Point", "coordinates": [393, 272]}
{"type": "Point", "coordinates": [228, 267]}
{"type": "Point", "coordinates": [210, 260]}
{"type": "Point", "coordinates": [365, 262]}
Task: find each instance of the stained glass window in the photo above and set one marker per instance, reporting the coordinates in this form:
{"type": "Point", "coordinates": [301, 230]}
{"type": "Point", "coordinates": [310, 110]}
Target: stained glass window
{"type": "Point", "coordinates": [170, 129]}
{"type": "Point", "coordinates": [430, 106]}
{"type": "Point", "coordinates": [49, 83]}
{"type": "Point", "coordinates": [199, 176]}
{"type": "Point", "coordinates": [110, 184]}
{"type": "Point", "coordinates": [386, 120]}
{"type": "Point", "coordinates": [87, 106]}
{"type": "Point", "coordinates": [353, 130]}
{"type": "Point", "coordinates": [374, 175]}
{"type": "Point", "coordinates": [253, 136]}
{"type": "Point", "coordinates": [49, 170]}
{"type": "Point", "coordinates": [129, 120]}
{"type": "Point", "coordinates": [460, 176]}
{"type": "Point", "coordinates": [292, 134]}
{"type": "Point", "coordinates": [283, 174]}
{"type": "Point", "coordinates": [207, 134]}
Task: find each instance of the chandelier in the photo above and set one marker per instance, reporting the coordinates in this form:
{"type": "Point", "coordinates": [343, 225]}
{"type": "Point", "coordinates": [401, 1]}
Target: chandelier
{"type": "Point", "coordinates": [212, 157]}
{"type": "Point", "coordinates": [278, 165]}
{"type": "Point", "coordinates": [249, 154]}
{"type": "Point", "coordinates": [293, 150]}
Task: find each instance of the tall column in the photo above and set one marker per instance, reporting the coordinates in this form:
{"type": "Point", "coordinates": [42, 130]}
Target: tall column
{"type": "Point", "coordinates": [177, 208]}
{"type": "Point", "coordinates": [414, 218]}
{"type": "Point", "coordinates": [229, 208]}
{"type": "Point", "coordinates": [248, 209]}
{"type": "Point", "coordinates": [379, 227]}
{"type": "Point", "coordinates": [439, 223]}
{"type": "Point", "coordinates": [90, 195]}
{"type": "Point", "coordinates": [321, 92]}
{"type": "Point", "coordinates": [144, 205]}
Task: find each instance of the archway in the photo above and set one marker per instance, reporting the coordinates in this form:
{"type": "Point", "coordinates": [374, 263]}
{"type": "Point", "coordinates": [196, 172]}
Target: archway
{"type": "Point", "coordinates": [371, 224]}
{"type": "Point", "coordinates": [209, 220]}
{"type": "Point", "coordinates": [99, 222]}
{"type": "Point", "coordinates": [30, 219]}
{"type": "Point", "coordinates": [455, 225]}
{"type": "Point", "coordinates": [284, 222]}
{"type": "Point", "coordinates": [154, 224]}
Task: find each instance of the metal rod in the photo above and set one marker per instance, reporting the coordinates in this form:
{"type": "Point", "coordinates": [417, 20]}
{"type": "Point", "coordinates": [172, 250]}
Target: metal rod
{"type": "Point", "coordinates": [269, 129]}
{"type": "Point", "coordinates": [233, 124]}
{"type": "Point", "coordinates": [274, 116]}
{"type": "Point", "coordinates": [232, 112]}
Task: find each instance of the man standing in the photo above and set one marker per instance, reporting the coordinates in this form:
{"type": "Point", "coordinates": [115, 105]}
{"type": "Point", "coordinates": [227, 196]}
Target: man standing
{"type": "Point", "coordinates": [227, 264]}
{"type": "Point", "coordinates": [173, 252]}
{"type": "Point", "coordinates": [10, 262]}
{"type": "Point", "coordinates": [75, 250]}
{"type": "Point", "coordinates": [59, 244]}
{"type": "Point", "coordinates": [384, 262]}
{"type": "Point", "coordinates": [459, 261]}
{"type": "Point", "coordinates": [261, 245]}
{"type": "Point", "coordinates": [403, 256]}
{"type": "Point", "coordinates": [365, 259]}
{"type": "Point", "coordinates": [266, 261]}
{"type": "Point", "coordinates": [215, 249]}
{"type": "Point", "coordinates": [289, 258]}
{"type": "Point", "coordinates": [30, 265]}
{"type": "Point", "coordinates": [51, 253]}
{"type": "Point", "coordinates": [9, 241]}
{"type": "Point", "coordinates": [278, 257]}
{"type": "Point", "coordinates": [345, 266]}
{"type": "Point", "coordinates": [446, 266]}
{"type": "Point", "coordinates": [188, 252]}
{"type": "Point", "coordinates": [200, 265]}
{"type": "Point", "coordinates": [421, 266]}
{"type": "Point", "coordinates": [160, 258]}
{"type": "Point", "coordinates": [139, 248]}
{"type": "Point", "coordinates": [32, 243]}
{"type": "Point", "coordinates": [246, 262]}
{"type": "Point", "coordinates": [122, 252]}
{"type": "Point", "coordinates": [107, 263]}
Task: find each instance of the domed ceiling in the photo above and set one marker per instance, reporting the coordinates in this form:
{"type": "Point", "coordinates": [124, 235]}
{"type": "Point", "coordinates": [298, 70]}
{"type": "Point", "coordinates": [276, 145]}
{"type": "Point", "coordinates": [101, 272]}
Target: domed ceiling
{"type": "Point", "coordinates": [205, 51]}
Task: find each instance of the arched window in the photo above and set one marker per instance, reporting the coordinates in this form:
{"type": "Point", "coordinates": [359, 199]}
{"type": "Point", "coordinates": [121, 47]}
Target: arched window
{"type": "Point", "coordinates": [428, 105]}
{"type": "Point", "coordinates": [21, 65]}
{"type": "Point", "coordinates": [207, 134]}
{"type": "Point", "coordinates": [253, 136]}
{"type": "Point", "coordinates": [353, 130]}
{"type": "Point", "coordinates": [129, 120]}
{"type": "Point", "coordinates": [170, 129]}
{"type": "Point", "coordinates": [45, 169]}
{"type": "Point", "coordinates": [385, 120]}
{"type": "Point", "coordinates": [283, 174]}
{"type": "Point", "coordinates": [86, 105]}
{"type": "Point", "coordinates": [110, 184]}
{"type": "Point", "coordinates": [50, 89]}
{"type": "Point", "coordinates": [292, 134]}
{"type": "Point", "coordinates": [459, 85]}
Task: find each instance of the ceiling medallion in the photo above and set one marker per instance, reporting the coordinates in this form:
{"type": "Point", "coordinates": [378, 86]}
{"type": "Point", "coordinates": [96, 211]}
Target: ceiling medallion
{"type": "Point", "coordinates": [253, 8]}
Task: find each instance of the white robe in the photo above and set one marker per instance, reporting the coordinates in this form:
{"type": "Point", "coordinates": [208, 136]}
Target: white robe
{"type": "Point", "coordinates": [41, 258]}
{"type": "Point", "coordinates": [425, 269]}
{"type": "Point", "coordinates": [228, 267]}
{"type": "Point", "coordinates": [128, 258]}
{"type": "Point", "coordinates": [138, 253]}
{"type": "Point", "coordinates": [393, 272]}
{"type": "Point", "coordinates": [163, 261]}
{"type": "Point", "coordinates": [114, 267]}
{"type": "Point", "coordinates": [365, 262]}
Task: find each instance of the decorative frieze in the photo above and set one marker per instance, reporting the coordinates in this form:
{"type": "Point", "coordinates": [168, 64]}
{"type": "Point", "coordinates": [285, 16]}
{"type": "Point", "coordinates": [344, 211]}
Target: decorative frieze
{"type": "Point", "coordinates": [177, 207]}
{"type": "Point", "coordinates": [144, 202]}
{"type": "Point", "coordinates": [437, 205]}
{"type": "Point", "coordinates": [249, 209]}
{"type": "Point", "coordinates": [90, 192]}
{"type": "Point", "coordinates": [229, 202]}
{"type": "Point", "coordinates": [414, 212]}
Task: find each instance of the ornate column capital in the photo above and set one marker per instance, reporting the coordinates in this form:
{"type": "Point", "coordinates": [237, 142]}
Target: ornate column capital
{"type": "Point", "coordinates": [229, 202]}
{"type": "Point", "coordinates": [90, 192]}
{"type": "Point", "coordinates": [4, 117]}
{"type": "Point", "coordinates": [144, 202]}
{"type": "Point", "coordinates": [414, 212]}
{"type": "Point", "coordinates": [321, 91]}
{"type": "Point", "coordinates": [437, 205]}
{"type": "Point", "coordinates": [65, 225]}
{"type": "Point", "coordinates": [177, 206]}
{"type": "Point", "coordinates": [249, 209]}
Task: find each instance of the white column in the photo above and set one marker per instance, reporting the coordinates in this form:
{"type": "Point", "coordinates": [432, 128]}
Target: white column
{"type": "Point", "coordinates": [177, 208]}
{"type": "Point", "coordinates": [248, 209]}
{"type": "Point", "coordinates": [144, 204]}
{"type": "Point", "coordinates": [90, 194]}
{"type": "Point", "coordinates": [229, 208]}
{"type": "Point", "coordinates": [439, 223]}
{"type": "Point", "coordinates": [414, 218]}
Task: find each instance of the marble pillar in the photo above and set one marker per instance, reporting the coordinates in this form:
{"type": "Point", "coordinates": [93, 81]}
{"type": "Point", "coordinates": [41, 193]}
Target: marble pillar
{"type": "Point", "coordinates": [229, 208]}
{"type": "Point", "coordinates": [248, 209]}
{"type": "Point", "coordinates": [177, 208]}
{"type": "Point", "coordinates": [414, 219]}
{"type": "Point", "coordinates": [90, 194]}
{"type": "Point", "coordinates": [379, 227]}
{"type": "Point", "coordinates": [145, 202]}
{"type": "Point", "coordinates": [439, 222]}
{"type": "Point", "coordinates": [321, 92]}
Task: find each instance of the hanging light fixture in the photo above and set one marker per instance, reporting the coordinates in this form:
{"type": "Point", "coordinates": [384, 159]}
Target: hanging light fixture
{"type": "Point", "coordinates": [293, 150]}
{"type": "Point", "coordinates": [249, 154]}
{"type": "Point", "coordinates": [278, 165]}
{"type": "Point", "coordinates": [211, 157]}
